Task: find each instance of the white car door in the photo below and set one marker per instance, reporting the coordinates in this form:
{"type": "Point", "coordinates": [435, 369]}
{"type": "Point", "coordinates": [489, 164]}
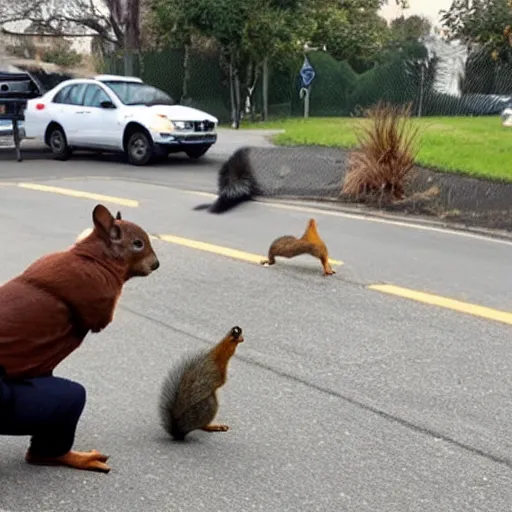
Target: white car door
{"type": "Point", "coordinates": [68, 111]}
{"type": "Point", "coordinates": [100, 127]}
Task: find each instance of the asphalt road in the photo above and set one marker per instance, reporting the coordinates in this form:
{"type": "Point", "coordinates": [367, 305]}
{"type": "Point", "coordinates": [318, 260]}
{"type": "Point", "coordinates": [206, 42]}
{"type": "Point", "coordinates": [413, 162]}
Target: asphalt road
{"type": "Point", "coordinates": [179, 170]}
{"type": "Point", "coordinates": [341, 398]}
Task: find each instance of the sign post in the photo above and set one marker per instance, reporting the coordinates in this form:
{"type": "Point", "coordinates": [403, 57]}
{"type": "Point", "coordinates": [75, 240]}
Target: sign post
{"type": "Point", "coordinates": [307, 75]}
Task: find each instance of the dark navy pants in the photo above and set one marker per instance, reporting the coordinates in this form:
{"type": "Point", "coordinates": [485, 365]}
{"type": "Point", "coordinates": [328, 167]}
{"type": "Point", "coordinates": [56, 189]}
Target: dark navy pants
{"type": "Point", "coordinates": [45, 408]}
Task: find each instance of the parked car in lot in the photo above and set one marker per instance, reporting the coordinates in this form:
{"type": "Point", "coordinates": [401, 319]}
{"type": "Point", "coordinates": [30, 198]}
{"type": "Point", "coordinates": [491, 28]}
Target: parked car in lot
{"type": "Point", "coordinates": [120, 114]}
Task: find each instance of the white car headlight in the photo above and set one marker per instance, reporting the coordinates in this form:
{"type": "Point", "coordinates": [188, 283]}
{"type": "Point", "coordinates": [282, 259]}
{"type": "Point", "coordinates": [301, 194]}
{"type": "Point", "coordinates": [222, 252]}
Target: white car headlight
{"type": "Point", "coordinates": [161, 124]}
{"type": "Point", "coordinates": [183, 125]}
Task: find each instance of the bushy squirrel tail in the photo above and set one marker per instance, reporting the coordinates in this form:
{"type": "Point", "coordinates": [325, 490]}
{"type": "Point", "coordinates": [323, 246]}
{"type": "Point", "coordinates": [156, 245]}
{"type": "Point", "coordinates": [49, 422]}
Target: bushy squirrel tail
{"type": "Point", "coordinates": [225, 203]}
{"type": "Point", "coordinates": [187, 383]}
{"type": "Point", "coordinates": [204, 206]}
{"type": "Point", "coordinates": [312, 237]}
{"type": "Point", "coordinates": [187, 400]}
{"type": "Point", "coordinates": [236, 183]}
{"type": "Point", "coordinates": [311, 234]}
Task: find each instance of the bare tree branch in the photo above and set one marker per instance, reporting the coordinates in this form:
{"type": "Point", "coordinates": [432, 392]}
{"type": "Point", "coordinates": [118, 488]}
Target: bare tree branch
{"type": "Point", "coordinates": [38, 34]}
{"type": "Point", "coordinates": [76, 18]}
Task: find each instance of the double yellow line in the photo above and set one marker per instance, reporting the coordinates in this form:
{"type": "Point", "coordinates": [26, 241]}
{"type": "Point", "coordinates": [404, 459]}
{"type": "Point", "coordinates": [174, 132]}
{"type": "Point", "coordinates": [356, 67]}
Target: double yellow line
{"type": "Point", "coordinates": [406, 293]}
{"type": "Point", "coordinates": [121, 201]}
{"type": "Point", "coordinates": [132, 203]}
{"type": "Point", "coordinates": [418, 296]}
{"type": "Point", "coordinates": [444, 302]}
{"type": "Point", "coordinates": [220, 250]}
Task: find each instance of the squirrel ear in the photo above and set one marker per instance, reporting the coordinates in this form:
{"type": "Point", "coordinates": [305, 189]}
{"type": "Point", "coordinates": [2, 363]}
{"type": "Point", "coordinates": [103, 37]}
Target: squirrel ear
{"type": "Point", "coordinates": [118, 216]}
{"type": "Point", "coordinates": [115, 232]}
{"type": "Point", "coordinates": [103, 220]}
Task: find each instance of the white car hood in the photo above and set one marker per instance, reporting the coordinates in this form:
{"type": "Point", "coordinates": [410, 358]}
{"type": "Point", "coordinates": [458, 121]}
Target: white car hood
{"type": "Point", "coordinates": [181, 113]}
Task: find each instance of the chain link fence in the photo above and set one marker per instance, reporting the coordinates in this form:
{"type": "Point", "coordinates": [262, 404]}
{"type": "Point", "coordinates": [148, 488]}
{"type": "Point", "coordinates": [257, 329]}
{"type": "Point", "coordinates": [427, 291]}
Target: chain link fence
{"type": "Point", "coordinates": [439, 79]}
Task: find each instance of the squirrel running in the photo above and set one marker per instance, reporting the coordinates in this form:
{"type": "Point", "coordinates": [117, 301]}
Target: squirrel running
{"type": "Point", "coordinates": [188, 398]}
{"type": "Point", "coordinates": [309, 243]}
{"type": "Point", "coordinates": [48, 309]}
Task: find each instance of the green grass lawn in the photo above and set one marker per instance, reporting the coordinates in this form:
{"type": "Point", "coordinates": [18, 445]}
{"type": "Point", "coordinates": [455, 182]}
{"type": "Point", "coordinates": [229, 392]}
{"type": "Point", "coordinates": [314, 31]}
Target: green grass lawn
{"type": "Point", "coordinates": [478, 146]}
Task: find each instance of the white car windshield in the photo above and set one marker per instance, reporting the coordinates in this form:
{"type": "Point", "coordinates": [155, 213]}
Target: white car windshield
{"type": "Point", "coordinates": [136, 93]}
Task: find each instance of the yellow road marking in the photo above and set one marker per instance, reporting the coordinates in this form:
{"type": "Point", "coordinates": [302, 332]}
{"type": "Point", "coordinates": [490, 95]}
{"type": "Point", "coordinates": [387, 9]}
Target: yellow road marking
{"type": "Point", "coordinates": [199, 193]}
{"type": "Point", "coordinates": [132, 203]}
{"type": "Point", "coordinates": [306, 209]}
{"type": "Point", "coordinates": [444, 302]}
{"type": "Point", "coordinates": [219, 249]}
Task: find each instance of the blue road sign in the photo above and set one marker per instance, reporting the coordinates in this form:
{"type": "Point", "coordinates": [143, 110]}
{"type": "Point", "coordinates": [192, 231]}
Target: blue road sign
{"type": "Point", "coordinates": [307, 73]}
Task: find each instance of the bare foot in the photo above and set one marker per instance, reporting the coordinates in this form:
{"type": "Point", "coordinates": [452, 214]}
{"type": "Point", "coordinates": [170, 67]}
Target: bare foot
{"type": "Point", "coordinates": [89, 461]}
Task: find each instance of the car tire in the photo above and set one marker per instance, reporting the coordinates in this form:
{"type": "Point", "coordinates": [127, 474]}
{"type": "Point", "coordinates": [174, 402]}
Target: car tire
{"type": "Point", "coordinates": [197, 152]}
{"type": "Point", "coordinates": [139, 148]}
{"type": "Point", "coordinates": [58, 144]}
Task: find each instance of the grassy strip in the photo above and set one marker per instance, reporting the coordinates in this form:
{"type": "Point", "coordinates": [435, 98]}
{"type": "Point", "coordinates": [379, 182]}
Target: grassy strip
{"type": "Point", "coordinates": [476, 146]}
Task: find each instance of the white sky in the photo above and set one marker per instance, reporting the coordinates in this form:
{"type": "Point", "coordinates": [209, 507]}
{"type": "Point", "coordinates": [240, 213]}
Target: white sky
{"type": "Point", "coordinates": [428, 8]}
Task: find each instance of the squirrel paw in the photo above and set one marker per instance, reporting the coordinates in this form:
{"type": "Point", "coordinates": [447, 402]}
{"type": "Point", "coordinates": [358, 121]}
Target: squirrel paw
{"type": "Point", "coordinates": [329, 272]}
{"type": "Point", "coordinates": [215, 428]}
{"type": "Point", "coordinates": [89, 461]}
{"type": "Point", "coordinates": [265, 263]}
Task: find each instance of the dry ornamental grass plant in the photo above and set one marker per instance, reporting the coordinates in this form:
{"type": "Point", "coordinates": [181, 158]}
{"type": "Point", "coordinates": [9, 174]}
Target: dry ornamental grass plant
{"type": "Point", "coordinates": [380, 167]}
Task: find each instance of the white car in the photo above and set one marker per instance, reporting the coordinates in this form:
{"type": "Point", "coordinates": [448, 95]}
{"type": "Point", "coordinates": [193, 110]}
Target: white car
{"type": "Point", "coordinates": [119, 114]}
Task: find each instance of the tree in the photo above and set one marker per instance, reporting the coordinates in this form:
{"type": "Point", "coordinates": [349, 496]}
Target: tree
{"type": "Point", "coordinates": [248, 32]}
{"type": "Point", "coordinates": [352, 30]}
{"type": "Point", "coordinates": [410, 29]}
{"type": "Point", "coordinates": [275, 32]}
{"type": "Point", "coordinates": [484, 25]}
{"type": "Point", "coordinates": [62, 54]}
{"type": "Point", "coordinates": [173, 27]}
{"type": "Point", "coordinates": [251, 33]}
{"type": "Point", "coordinates": [107, 20]}
{"type": "Point", "coordinates": [224, 20]}
{"type": "Point", "coordinates": [404, 38]}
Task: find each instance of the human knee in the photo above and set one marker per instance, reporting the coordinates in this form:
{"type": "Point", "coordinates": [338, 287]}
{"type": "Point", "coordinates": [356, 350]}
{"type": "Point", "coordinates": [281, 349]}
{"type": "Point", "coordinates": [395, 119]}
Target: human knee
{"type": "Point", "coordinates": [73, 396]}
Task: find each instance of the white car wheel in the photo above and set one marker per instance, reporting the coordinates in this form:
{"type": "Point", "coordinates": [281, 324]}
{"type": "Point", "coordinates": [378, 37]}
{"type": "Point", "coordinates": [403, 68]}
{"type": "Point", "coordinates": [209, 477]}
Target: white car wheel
{"type": "Point", "coordinates": [58, 143]}
{"type": "Point", "coordinates": [139, 149]}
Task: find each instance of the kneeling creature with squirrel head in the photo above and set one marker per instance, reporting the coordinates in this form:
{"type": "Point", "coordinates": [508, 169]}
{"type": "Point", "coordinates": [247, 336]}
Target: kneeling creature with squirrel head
{"type": "Point", "coordinates": [47, 311]}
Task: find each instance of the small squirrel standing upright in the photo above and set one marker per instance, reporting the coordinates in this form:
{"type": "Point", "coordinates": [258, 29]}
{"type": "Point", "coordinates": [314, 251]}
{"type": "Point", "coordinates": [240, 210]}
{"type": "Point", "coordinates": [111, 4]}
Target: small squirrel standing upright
{"type": "Point", "coordinates": [309, 243]}
{"type": "Point", "coordinates": [188, 398]}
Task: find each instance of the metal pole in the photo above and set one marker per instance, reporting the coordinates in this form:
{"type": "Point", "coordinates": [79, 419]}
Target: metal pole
{"type": "Point", "coordinates": [306, 101]}
{"type": "Point", "coordinates": [420, 107]}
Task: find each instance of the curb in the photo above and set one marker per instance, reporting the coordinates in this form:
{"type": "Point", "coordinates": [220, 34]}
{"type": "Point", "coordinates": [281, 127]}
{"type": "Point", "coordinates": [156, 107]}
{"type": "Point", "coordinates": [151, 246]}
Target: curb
{"type": "Point", "coordinates": [327, 204]}
{"type": "Point", "coordinates": [366, 211]}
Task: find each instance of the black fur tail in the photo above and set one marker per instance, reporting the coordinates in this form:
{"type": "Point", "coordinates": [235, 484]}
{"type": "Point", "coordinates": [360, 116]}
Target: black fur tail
{"type": "Point", "coordinates": [204, 206]}
{"type": "Point", "coordinates": [236, 183]}
{"type": "Point", "coordinates": [225, 203]}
